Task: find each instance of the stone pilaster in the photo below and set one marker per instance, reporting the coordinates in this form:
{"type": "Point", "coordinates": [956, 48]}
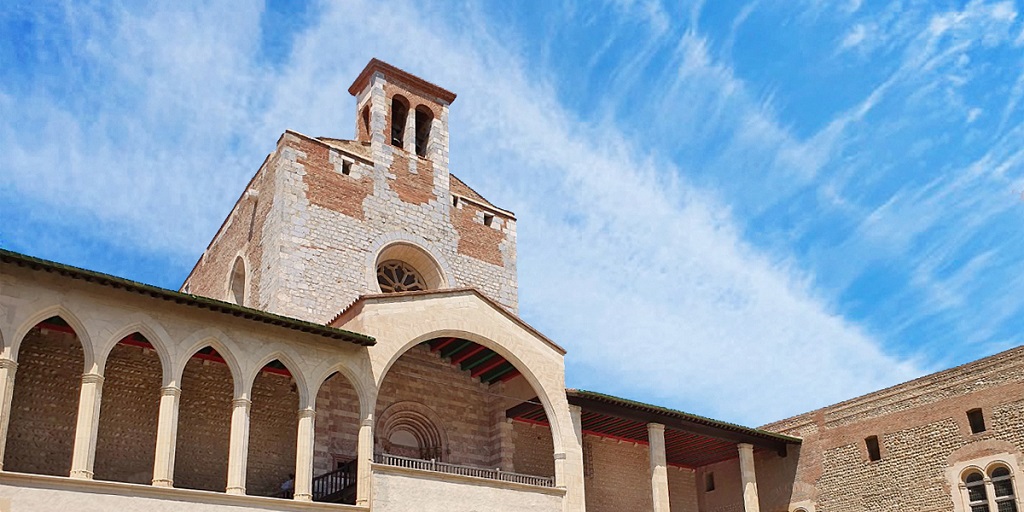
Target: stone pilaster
{"type": "Point", "coordinates": [166, 436]}
{"type": "Point", "coordinates": [304, 455]}
{"type": "Point", "coordinates": [84, 453]}
{"type": "Point", "coordinates": [575, 496]}
{"type": "Point", "coordinates": [364, 461]}
{"type": "Point", "coordinates": [748, 478]}
{"type": "Point", "coordinates": [238, 450]}
{"type": "Point", "coordinates": [659, 466]}
{"type": "Point", "coordinates": [7, 370]}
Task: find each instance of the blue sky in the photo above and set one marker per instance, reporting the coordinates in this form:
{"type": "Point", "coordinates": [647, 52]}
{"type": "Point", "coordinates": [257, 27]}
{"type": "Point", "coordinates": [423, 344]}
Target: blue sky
{"type": "Point", "coordinates": [741, 209]}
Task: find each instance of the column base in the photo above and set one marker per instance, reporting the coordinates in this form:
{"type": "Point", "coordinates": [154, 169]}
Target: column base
{"type": "Point", "coordinates": [163, 483]}
{"type": "Point", "coordinates": [81, 474]}
{"type": "Point", "coordinates": [303, 497]}
{"type": "Point", "coordinates": [238, 491]}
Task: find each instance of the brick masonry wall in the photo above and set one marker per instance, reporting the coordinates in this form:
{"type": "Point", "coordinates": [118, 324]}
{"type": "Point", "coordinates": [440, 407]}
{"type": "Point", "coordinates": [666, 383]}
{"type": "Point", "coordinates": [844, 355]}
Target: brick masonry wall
{"type": "Point", "coordinates": [273, 427]}
{"type": "Point", "coordinates": [245, 230]}
{"type": "Point", "coordinates": [337, 424]}
{"type": "Point", "coordinates": [682, 489]}
{"type": "Point", "coordinates": [533, 449]}
{"type": "Point", "coordinates": [44, 406]}
{"type": "Point", "coordinates": [922, 428]}
{"type": "Point", "coordinates": [130, 407]}
{"type": "Point", "coordinates": [204, 426]}
{"type": "Point", "coordinates": [462, 403]}
{"type": "Point", "coordinates": [620, 478]}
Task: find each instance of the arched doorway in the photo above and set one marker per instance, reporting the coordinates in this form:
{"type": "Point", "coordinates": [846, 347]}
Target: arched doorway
{"type": "Point", "coordinates": [273, 424]}
{"type": "Point", "coordinates": [336, 441]}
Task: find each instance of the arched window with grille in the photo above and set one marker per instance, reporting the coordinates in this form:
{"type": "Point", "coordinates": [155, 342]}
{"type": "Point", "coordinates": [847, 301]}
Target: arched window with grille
{"type": "Point", "coordinates": [977, 495]}
{"type": "Point", "coordinates": [1002, 488]}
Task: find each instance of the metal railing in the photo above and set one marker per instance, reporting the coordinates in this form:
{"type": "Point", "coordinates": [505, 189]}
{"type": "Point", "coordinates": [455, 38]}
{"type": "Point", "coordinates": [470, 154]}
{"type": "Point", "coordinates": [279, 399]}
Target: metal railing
{"type": "Point", "coordinates": [332, 486]}
{"type": "Point", "coordinates": [455, 469]}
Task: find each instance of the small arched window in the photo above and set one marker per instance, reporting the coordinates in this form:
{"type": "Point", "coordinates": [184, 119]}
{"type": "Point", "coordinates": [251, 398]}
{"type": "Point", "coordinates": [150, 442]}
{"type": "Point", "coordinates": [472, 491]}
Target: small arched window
{"type": "Point", "coordinates": [1002, 487]}
{"type": "Point", "coordinates": [366, 121]}
{"type": "Point", "coordinates": [424, 118]}
{"type": "Point", "coordinates": [399, 113]}
{"type": "Point", "coordinates": [238, 282]}
{"type": "Point", "coordinates": [977, 495]}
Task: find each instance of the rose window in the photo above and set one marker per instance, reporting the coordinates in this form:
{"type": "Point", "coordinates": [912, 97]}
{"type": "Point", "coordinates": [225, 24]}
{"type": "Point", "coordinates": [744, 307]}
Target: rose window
{"type": "Point", "coordinates": [395, 276]}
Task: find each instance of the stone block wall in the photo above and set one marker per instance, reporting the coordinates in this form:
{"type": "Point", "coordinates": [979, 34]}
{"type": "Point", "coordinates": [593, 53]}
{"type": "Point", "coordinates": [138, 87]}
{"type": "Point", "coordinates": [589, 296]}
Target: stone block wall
{"type": "Point", "coordinates": [126, 437]}
{"type": "Point", "coordinates": [336, 224]}
{"type": "Point", "coordinates": [273, 427]}
{"type": "Point", "coordinates": [204, 426]}
{"type": "Point", "coordinates": [44, 407]}
{"type": "Point", "coordinates": [922, 429]}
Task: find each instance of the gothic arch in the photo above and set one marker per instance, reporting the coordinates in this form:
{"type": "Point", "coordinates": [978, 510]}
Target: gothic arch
{"type": "Point", "coordinates": [237, 284]}
{"type": "Point", "coordinates": [154, 333]}
{"type": "Point", "coordinates": [301, 383]}
{"type": "Point", "coordinates": [222, 344]}
{"type": "Point", "coordinates": [88, 349]}
{"type": "Point", "coordinates": [365, 388]}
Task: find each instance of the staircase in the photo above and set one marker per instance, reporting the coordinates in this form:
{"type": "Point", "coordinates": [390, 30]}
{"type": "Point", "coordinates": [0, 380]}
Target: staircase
{"type": "Point", "coordinates": [338, 486]}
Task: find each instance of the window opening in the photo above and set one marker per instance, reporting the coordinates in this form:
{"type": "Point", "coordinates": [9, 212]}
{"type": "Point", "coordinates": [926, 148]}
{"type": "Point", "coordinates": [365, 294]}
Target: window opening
{"type": "Point", "coordinates": [424, 118]}
{"type": "Point", "coordinates": [396, 276]}
{"type": "Point", "coordinates": [488, 219]}
{"type": "Point", "coordinates": [1002, 486]}
{"type": "Point", "coordinates": [238, 282]}
{"type": "Point", "coordinates": [366, 120]}
{"type": "Point", "coordinates": [399, 113]}
{"type": "Point", "coordinates": [874, 450]}
{"type": "Point", "coordinates": [346, 167]}
{"type": "Point", "coordinates": [709, 482]}
{"type": "Point", "coordinates": [977, 496]}
{"type": "Point", "coordinates": [455, 201]}
{"type": "Point", "coordinates": [977, 420]}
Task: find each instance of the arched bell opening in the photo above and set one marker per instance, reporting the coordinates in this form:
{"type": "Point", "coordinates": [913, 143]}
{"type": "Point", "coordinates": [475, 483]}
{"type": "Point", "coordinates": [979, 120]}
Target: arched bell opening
{"type": "Point", "coordinates": [126, 437]}
{"type": "Point", "coordinates": [44, 404]}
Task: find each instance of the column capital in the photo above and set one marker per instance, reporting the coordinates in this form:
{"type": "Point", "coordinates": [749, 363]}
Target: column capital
{"type": "Point", "coordinates": [92, 378]}
{"type": "Point", "coordinates": [745, 447]}
{"type": "Point", "coordinates": [174, 391]}
{"type": "Point", "coordinates": [241, 402]}
{"type": "Point", "coordinates": [8, 364]}
{"type": "Point", "coordinates": [307, 412]}
{"type": "Point", "coordinates": [655, 427]}
{"type": "Point", "coordinates": [560, 456]}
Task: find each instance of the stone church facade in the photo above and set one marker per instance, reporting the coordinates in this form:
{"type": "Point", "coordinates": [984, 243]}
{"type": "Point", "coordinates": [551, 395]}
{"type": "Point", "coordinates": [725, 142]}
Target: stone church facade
{"type": "Point", "coordinates": [349, 340]}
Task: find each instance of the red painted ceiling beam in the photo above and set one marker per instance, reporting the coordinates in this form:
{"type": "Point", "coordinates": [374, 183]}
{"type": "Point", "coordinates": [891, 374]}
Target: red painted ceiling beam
{"type": "Point", "coordinates": [488, 367]}
{"type": "Point", "coordinates": [468, 354]}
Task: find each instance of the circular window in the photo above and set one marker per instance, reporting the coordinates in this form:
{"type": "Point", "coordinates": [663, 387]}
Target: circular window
{"type": "Point", "coordinates": [396, 276]}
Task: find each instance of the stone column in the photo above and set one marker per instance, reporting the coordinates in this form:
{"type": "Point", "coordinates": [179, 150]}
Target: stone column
{"type": "Point", "coordinates": [7, 369]}
{"type": "Point", "coordinates": [747, 477]}
{"type": "Point", "coordinates": [84, 454]}
{"type": "Point", "coordinates": [238, 451]}
{"type": "Point", "coordinates": [364, 460]}
{"type": "Point", "coordinates": [166, 436]}
{"type": "Point", "coordinates": [659, 466]}
{"type": "Point", "coordinates": [304, 455]}
{"type": "Point", "coordinates": [409, 137]}
{"type": "Point", "coordinates": [575, 495]}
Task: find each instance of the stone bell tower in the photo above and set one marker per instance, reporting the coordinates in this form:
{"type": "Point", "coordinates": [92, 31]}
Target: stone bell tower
{"type": "Point", "coordinates": [326, 220]}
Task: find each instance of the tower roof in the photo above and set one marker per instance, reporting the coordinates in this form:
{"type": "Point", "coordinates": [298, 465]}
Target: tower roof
{"type": "Point", "coordinates": [398, 75]}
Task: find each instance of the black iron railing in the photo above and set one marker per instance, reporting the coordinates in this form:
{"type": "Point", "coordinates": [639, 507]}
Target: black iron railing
{"type": "Point", "coordinates": [336, 486]}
